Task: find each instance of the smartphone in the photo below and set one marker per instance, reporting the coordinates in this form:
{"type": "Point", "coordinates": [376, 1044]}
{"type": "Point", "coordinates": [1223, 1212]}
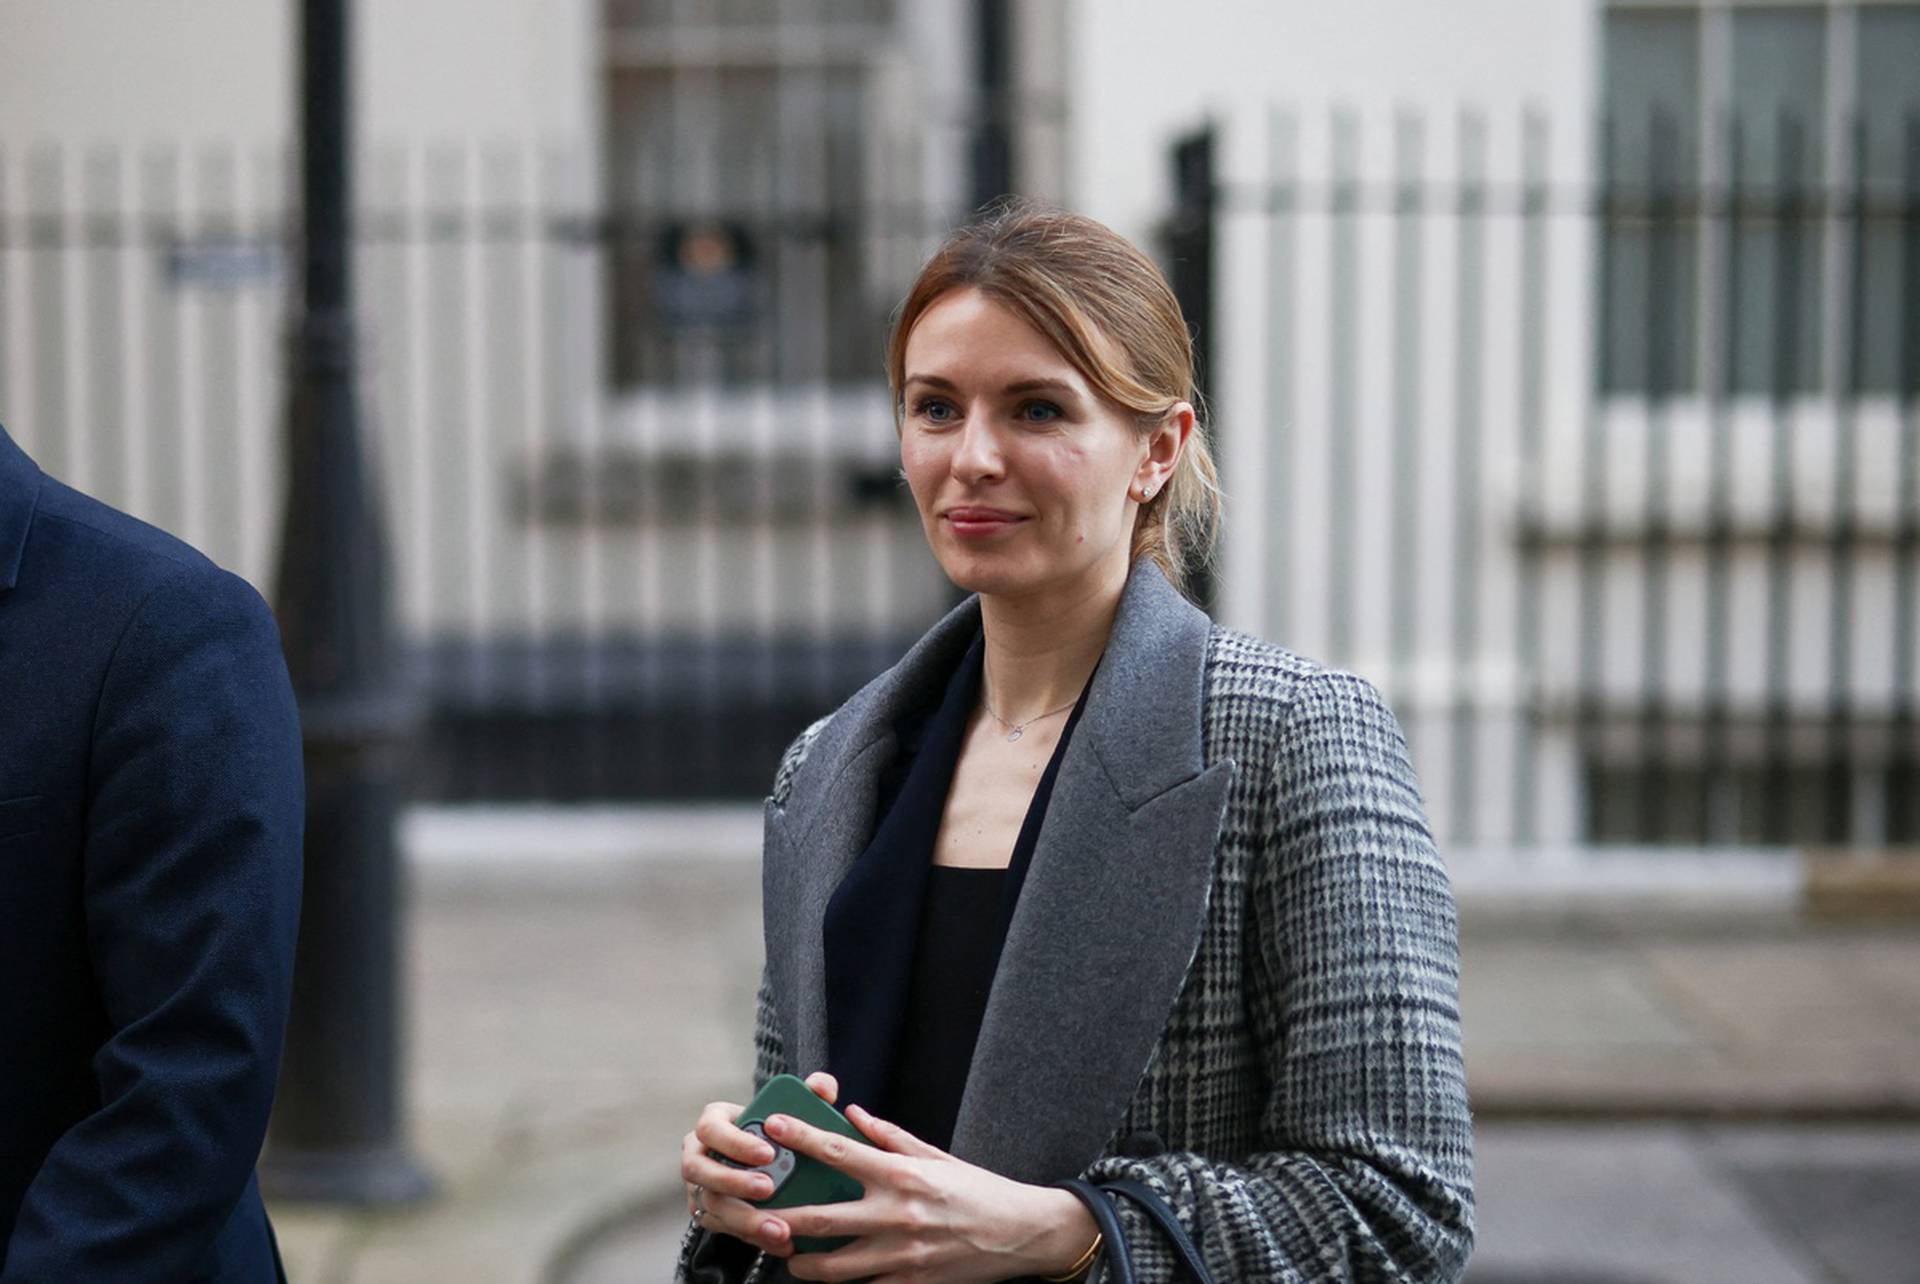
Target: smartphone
{"type": "Point", "coordinates": [799, 1180]}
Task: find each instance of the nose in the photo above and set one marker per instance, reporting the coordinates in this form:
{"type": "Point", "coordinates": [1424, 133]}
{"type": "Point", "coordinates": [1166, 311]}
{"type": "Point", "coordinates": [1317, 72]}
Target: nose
{"type": "Point", "coordinates": [976, 455]}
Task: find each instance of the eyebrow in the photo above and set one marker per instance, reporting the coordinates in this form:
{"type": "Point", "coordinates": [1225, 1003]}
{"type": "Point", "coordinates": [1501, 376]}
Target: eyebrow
{"type": "Point", "coordinates": [1019, 386]}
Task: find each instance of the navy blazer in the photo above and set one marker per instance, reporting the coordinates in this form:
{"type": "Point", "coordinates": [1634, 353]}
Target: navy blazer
{"type": "Point", "coordinates": [150, 822]}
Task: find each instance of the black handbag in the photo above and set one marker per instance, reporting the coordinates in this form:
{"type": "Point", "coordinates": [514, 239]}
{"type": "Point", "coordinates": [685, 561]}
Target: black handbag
{"type": "Point", "coordinates": [1113, 1249]}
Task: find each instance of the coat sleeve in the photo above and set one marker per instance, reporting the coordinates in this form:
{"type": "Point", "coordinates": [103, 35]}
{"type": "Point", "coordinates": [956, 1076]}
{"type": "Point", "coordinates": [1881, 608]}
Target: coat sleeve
{"type": "Point", "coordinates": [191, 886]}
{"type": "Point", "coordinates": [708, 1258]}
{"type": "Point", "coordinates": [1365, 1167]}
{"type": "Point", "coordinates": [720, 1259]}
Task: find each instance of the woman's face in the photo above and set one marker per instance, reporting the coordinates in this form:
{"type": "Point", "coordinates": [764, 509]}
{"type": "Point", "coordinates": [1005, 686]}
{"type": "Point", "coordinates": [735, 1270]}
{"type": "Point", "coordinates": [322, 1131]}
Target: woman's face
{"type": "Point", "coordinates": [1021, 472]}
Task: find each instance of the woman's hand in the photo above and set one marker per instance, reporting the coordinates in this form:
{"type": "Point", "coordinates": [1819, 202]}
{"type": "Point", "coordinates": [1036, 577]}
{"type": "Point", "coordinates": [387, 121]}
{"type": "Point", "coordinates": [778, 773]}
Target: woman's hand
{"type": "Point", "coordinates": [717, 1194]}
{"type": "Point", "coordinates": [927, 1215]}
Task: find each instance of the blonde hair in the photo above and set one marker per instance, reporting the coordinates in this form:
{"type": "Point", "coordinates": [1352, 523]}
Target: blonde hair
{"type": "Point", "coordinates": [1111, 314]}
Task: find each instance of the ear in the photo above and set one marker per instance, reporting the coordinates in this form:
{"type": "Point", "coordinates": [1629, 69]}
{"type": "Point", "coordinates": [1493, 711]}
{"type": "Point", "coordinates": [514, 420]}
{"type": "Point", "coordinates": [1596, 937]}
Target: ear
{"type": "Point", "coordinates": [1164, 446]}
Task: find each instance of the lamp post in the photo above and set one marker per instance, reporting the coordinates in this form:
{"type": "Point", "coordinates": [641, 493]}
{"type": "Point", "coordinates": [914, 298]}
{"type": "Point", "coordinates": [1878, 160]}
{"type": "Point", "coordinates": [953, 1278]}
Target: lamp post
{"type": "Point", "coordinates": [338, 1132]}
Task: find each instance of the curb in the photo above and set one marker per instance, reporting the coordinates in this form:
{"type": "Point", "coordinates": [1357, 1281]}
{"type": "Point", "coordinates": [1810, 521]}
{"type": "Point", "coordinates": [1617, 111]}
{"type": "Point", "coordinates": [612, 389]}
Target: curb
{"type": "Point", "coordinates": [541, 836]}
{"type": "Point", "coordinates": [584, 1241]}
{"type": "Point", "coordinates": [1852, 886]}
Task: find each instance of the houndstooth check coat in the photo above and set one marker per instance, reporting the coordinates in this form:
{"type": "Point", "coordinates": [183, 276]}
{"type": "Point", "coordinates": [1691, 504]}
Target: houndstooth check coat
{"type": "Point", "coordinates": [1232, 973]}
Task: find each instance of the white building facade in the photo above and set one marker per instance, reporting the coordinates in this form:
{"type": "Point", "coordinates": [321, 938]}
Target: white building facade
{"type": "Point", "coordinates": [1512, 452]}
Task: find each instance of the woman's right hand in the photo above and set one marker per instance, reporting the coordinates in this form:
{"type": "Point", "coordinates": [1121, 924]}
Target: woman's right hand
{"type": "Point", "coordinates": [717, 1193]}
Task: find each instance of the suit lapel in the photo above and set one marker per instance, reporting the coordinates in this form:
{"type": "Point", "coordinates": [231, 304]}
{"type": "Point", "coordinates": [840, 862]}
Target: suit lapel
{"type": "Point", "coordinates": [1113, 906]}
{"type": "Point", "coordinates": [19, 492]}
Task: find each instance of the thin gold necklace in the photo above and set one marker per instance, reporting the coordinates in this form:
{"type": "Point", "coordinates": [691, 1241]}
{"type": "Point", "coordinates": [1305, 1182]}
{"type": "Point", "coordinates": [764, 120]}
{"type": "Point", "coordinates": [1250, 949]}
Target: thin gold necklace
{"type": "Point", "coordinates": [1017, 729]}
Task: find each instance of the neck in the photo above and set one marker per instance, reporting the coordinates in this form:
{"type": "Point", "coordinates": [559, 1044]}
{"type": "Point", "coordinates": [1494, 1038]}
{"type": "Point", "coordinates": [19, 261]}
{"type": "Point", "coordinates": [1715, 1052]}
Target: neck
{"type": "Point", "coordinates": [1041, 647]}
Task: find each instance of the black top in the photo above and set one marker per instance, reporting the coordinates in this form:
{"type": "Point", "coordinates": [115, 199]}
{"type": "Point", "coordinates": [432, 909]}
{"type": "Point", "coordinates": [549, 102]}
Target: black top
{"type": "Point", "coordinates": [952, 974]}
{"type": "Point", "coordinates": [912, 948]}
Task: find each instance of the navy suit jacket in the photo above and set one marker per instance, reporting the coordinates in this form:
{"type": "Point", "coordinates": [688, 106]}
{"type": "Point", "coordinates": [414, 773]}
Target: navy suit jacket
{"type": "Point", "coordinates": [150, 820]}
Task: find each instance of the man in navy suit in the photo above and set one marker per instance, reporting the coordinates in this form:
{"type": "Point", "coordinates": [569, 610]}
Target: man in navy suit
{"type": "Point", "coordinates": [150, 817]}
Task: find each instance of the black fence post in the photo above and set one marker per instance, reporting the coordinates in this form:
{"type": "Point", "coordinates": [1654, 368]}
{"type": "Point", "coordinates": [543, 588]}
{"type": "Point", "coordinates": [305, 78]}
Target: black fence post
{"type": "Point", "coordinates": [993, 83]}
{"type": "Point", "coordinates": [1187, 240]}
{"type": "Point", "coordinates": [337, 1133]}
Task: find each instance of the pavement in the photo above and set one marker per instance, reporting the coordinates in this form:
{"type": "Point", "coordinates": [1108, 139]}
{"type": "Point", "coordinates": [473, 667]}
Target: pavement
{"type": "Point", "coordinates": [1666, 1090]}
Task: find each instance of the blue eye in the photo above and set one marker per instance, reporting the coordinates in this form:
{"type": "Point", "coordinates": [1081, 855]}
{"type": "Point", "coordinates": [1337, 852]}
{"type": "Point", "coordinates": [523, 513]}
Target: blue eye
{"type": "Point", "coordinates": [1047, 412]}
{"type": "Point", "coordinates": [933, 410]}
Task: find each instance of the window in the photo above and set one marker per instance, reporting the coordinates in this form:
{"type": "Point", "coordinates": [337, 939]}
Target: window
{"type": "Point", "coordinates": [1732, 133]}
{"type": "Point", "coordinates": [1889, 104]}
{"type": "Point", "coordinates": [741, 141]}
{"type": "Point", "coordinates": [1650, 149]}
{"type": "Point", "coordinates": [1811, 803]}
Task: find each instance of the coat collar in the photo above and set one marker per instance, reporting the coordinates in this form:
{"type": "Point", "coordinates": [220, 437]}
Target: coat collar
{"type": "Point", "coordinates": [1143, 712]}
{"type": "Point", "coordinates": [19, 495]}
{"type": "Point", "coordinates": [1112, 908]}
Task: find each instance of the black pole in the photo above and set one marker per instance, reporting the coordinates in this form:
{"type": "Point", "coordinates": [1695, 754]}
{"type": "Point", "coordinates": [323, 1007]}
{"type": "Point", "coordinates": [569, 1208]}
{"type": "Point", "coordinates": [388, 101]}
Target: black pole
{"type": "Point", "coordinates": [338, 1131]}
{"type": "Point", "coordinates": [993, 83]}
{"type": "Point", "coordinates": [1186, 239]}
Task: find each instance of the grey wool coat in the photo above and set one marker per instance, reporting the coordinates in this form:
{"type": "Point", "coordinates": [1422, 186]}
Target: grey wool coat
{"type": "Point", "coordinates": [1233, 969]}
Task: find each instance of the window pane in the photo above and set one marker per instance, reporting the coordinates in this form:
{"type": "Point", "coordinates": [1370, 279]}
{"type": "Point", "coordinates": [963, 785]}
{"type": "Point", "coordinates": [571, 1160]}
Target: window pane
{"type": "Point", "coordinates": [1653, 80]}
{"type": "Point", "coordinates": [1780, 74]}
{"type": "Point", "coordinates": [1889, 84]}
{"type": "Point", "coordinates": [739, 164]}
{"type": "Point", "coordinates": [719, 276]}
{"type": "Point", "coordinates": [638, 13]}
{"type": "Point", "coordinates": [1778, 95]}
{"type": "Point", "coordinates": [753, 14]}
{"type": "Point", "coordinates": [1889, 97]}
{"type": "Point", "coordinates": [1651, 154]}
{"type": "Point", "coordinates": [1617, 810]}
{"type": "Point", "coordinates": [1652, 274]}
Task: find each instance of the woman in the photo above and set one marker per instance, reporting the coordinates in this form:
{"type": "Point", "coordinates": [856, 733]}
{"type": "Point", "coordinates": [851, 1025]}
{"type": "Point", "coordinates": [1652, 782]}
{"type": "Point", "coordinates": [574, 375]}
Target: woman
{"type": "Point", "coordinates": [1085, 885]}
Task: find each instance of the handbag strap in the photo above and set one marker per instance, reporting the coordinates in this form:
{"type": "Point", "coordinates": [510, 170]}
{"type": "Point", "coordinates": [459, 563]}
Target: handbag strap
{"type": "Point", "coordinates": [1155, 1207]}
{"type": "Point", "coordinates": [1113, 1250]}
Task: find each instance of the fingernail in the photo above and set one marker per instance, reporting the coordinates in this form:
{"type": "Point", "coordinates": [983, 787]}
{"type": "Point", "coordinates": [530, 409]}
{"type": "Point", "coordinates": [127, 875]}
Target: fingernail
{"type": "Point", "coordinates": [778, 1125]}
{"type": "Point", "coordinates": [763, 1154]}
{"type": "Point", "coordinates": [763, 1186]}
{"type": "Point", "coordinates": [773, 1230]}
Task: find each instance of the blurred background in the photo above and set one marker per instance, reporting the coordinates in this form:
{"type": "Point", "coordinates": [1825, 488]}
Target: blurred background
{"type": "Point", "coordinates": [1563, 358]}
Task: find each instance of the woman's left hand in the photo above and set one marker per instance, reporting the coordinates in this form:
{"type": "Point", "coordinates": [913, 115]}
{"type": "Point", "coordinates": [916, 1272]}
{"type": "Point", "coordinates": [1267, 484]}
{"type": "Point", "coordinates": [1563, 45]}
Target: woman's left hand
{"type": "Point", "coordinates": [927, 1215]}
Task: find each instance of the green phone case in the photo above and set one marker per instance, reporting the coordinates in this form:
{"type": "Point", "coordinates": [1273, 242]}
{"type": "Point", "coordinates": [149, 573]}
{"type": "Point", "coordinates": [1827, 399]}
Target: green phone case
{"type": "Point", "coordinates": [799, 1180]}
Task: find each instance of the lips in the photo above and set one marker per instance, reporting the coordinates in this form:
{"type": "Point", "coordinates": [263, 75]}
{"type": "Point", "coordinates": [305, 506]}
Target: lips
{"type": "Point", "coordinates": [975, 520]}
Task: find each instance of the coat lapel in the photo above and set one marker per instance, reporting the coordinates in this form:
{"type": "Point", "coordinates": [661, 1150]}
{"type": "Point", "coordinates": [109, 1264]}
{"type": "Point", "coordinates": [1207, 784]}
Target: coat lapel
{"type": "Point", "coordinates": [1113, 906]}
{"type": "Point", "coordinates": [810, 843]}
{"type": "Point", "coordinates": [19, 492]}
